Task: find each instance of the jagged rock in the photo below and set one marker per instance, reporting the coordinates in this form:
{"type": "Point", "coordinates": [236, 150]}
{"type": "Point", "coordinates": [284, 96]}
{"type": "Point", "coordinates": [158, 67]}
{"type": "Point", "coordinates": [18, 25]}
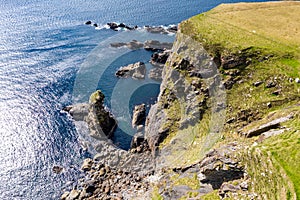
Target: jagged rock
{"type": "Point", "coordinates": [156, 74]}
{"type": "Point", "coordinates": [87, 164]}
{"type": "Point", "coordinates": [155, 45]}
{"type": "Point", "coordinates": [57, 169]}
{"type": "Point", "coordinates": [266, 127]}
{"type": "Point", "coordinates": [158, 59]}
{"type": "Point", "coordinates": [139, 115]}
{"type": "Point", "coordinates": [96, 25]}
{"type": "Point", "coordinates": [136, 70]}
{"type": "Point", "coordinates": [88, 22]}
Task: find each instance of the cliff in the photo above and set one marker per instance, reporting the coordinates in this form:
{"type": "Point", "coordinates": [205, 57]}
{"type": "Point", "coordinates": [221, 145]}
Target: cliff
{"type": "Point", "coordinates": [226, 123]}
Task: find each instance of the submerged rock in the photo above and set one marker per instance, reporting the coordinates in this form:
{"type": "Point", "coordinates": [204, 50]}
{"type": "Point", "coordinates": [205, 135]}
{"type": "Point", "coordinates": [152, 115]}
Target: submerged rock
{"type": "Point", "coordinates": [88, 22]}
{"type": "Point", "coordinates": [136, 70]}
{"type": "Point", "coordinates": [57, 169]}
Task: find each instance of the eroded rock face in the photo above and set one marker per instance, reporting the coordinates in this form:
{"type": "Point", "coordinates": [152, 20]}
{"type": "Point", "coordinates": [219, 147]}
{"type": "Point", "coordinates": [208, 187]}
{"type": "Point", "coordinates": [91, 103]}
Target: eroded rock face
{"type": "Point", "coordinates": [188, 80]}
{"type": "Point", "coordinates": [136, 70]}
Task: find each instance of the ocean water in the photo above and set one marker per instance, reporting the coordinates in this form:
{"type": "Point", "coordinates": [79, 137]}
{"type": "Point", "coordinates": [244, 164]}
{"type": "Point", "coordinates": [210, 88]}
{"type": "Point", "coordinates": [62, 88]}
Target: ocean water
{"type": "Point", "coordinates": [45, 53]}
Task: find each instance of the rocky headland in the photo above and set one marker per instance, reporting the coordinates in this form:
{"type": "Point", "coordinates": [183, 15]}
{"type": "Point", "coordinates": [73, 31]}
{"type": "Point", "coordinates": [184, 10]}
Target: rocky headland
{"type": "Point", "coordinates": [227, 119]}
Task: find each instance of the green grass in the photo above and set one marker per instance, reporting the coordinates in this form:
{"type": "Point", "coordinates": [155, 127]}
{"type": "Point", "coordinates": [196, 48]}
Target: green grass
{"type": "Point", "coordinates": [270, 26]}
{"type": "Point", "coordinates": [274, 165]}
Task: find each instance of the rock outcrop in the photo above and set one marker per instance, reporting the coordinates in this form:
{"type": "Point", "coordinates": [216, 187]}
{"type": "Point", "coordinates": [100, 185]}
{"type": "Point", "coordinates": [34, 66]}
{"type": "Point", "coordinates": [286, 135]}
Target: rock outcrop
{"type": "Point", "coordinates": [136, 71]}
{"type": "Point", "coordinates": [182, 102]}
{"type": "Point", "coordinates": [139, 115]}
{"type": "Point", "coordinates": [99, 118]}
{"type": "Point", "coordinates": [159, 59]}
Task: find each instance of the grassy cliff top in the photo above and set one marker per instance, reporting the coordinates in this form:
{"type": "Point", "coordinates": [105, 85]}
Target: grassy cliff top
{"type": "Point", "coordinates": [271, 25]}
{"type": "Point", "coordinates": [268, 35]}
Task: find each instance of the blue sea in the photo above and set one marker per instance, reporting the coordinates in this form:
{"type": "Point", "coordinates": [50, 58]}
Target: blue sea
{"type": "Point", "coordinates": [50, 59]}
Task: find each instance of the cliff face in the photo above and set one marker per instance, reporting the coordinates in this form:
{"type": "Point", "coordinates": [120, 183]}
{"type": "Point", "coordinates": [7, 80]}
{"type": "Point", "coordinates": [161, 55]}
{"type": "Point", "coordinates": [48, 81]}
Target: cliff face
{"type": "Point", "coordinates": [190, 88]}
{"type": "Point", "coordinates": [229, 92]}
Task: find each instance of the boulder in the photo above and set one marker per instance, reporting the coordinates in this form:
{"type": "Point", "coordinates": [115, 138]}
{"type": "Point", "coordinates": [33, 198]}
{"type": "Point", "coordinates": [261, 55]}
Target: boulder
{"type": "Point", "coordinates": [136, 70]}
{"type": "Point", "coordinates": [139, 115]}
{"type": "Point", "coordinates": [88, 22]}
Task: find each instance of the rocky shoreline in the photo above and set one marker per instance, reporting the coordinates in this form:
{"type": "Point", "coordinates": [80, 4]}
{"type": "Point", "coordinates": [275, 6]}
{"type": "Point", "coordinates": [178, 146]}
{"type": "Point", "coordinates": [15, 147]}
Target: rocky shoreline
{"type": "Point", "coordinates": [122, 26]}
{"type": "Point", "coordinates": [221, 156]}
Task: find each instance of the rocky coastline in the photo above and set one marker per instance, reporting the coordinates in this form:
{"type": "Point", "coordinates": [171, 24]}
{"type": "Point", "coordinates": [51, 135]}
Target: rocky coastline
{"type": "Point", "coordinates": [198, 141]}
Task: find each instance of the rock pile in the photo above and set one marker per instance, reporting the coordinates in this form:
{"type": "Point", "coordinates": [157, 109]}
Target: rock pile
{"type": "Point", "coordinates": [105, 182]}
